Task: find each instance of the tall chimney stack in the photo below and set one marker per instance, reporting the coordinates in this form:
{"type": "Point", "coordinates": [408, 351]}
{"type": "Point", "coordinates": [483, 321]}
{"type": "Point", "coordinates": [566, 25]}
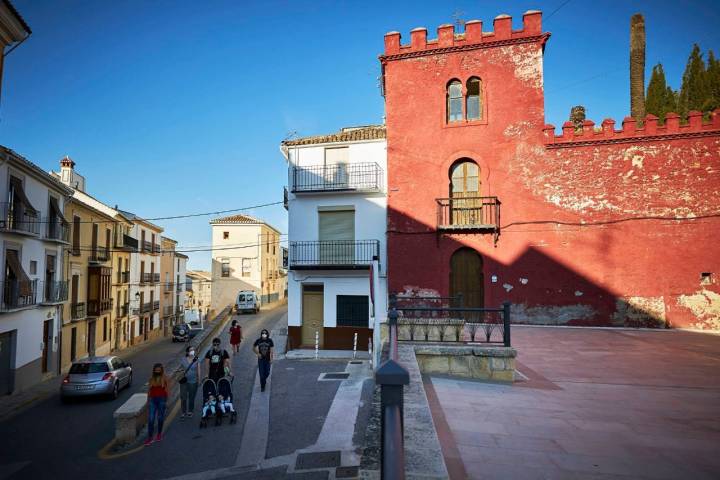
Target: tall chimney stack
{"type": "Point", "coordinates": [637, 67]}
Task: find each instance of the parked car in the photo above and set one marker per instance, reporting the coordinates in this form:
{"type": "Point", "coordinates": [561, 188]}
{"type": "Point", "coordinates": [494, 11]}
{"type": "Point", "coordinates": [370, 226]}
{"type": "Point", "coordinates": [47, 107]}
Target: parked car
{"type": "Point", "coordinates": [96, 376]}
{"type": "Point", "coordinates": [247, 300]}
{"type": "Point", "coordinates": [181, 333]}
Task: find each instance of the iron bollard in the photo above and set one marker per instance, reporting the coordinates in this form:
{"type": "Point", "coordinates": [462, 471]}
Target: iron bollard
{"type": "Point", "coordinates": [506, 323]}
{"type": "Point", "coordinates": [392, 377]}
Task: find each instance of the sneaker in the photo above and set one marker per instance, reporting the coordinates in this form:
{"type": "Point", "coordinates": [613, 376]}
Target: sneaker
{"type": "Point", "coordinates": [183, 415]}
{"type": "Point", "coordinates": [148, 441]}
{"type": "Point", "coordinates": [189, 414]}
{"type": "Point", "coordinates": [159, 437]}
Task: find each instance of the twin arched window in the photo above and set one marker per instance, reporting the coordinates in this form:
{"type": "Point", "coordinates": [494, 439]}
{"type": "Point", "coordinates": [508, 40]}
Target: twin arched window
{"type": "Point", "coordinates": [473, 100]}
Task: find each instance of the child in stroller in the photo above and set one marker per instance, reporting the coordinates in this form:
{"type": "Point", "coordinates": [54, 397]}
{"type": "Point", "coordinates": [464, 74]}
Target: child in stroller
{"type": "Point", "coordinates": [210, 403]}
{"type": "Point", "coordinates": [225, 399]}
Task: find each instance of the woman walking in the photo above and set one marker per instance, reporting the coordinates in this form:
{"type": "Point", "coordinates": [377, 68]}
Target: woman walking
{"type": "Point", "coordinates": [157, 399]}
{"type": "Point", "coordinates": [235, 336]}
{"type": "Point", "coordinates": [189, 382]}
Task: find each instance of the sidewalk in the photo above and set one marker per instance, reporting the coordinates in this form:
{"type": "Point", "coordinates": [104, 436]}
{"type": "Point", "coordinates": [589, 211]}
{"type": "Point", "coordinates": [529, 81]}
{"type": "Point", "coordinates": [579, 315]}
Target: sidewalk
{"type": "Point", "coordinates": [11, 405]}
{"type": "Point", "coordinates": [597, 404]}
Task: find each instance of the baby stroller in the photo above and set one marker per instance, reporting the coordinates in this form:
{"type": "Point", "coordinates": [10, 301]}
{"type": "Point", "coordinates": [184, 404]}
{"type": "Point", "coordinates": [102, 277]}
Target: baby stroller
{"type": "Point", "coordinates": [225, 400]}
{"type": "Point", "coordinates": [211, 407]}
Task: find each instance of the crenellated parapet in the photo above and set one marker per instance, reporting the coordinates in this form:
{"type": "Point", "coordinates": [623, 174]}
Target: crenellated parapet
{"type": "Point", "coordinates": [630, 132]}
{"type": "Point", "coordinates": [472, 38]}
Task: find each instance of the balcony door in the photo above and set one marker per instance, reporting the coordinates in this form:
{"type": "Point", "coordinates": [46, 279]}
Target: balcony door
{"type": "Point", "coordinates": [465, 203]}
{"type": "Point", "coordinates": [337, 237]}
{"type": "Point", "coordinates": [52, 293]}
{"type": "Point", "coordinates": [466, 277]}
{"type": "Point", "coordinates": [336, 168]}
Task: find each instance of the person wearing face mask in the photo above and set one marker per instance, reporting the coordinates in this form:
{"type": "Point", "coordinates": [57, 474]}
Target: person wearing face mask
{"type": "Point", "coordinates": [263, 348]}
{"type": "Point", "coordinates": [157, 399]}
{"type": "Point", "coordinates": [217, 361]}
{"type": "Point", "coordinates": [189, 382]}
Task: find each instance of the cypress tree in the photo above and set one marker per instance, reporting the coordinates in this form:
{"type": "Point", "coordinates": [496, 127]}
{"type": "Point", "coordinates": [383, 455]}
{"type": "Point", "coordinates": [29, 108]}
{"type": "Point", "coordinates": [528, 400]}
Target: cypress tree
{"type": "Point", "coordinates": [713, 82]}
{"type": "Point", "coordinates": [656, 100]}
{"type": "Point", "coordinates": [693, 92]}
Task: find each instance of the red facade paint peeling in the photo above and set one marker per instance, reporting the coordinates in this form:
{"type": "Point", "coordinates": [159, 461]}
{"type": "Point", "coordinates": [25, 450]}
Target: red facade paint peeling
{"type": "Point", "coordinates": [590, 211]}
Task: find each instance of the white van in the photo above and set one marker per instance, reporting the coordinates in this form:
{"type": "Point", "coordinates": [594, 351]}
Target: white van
{"type": "Point", "coordinates": [247, 300]}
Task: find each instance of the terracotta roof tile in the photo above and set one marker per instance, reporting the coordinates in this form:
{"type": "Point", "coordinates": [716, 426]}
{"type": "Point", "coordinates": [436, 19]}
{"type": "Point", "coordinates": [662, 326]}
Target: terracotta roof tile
{"type": "Point", "coordinates": [238, 218]}
{"type": "Point", "coordinates": [351, 134]}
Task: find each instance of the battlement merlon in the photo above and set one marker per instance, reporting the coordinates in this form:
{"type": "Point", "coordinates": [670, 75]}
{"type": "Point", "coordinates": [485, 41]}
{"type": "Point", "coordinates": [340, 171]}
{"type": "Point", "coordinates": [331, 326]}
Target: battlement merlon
{"type": "Point", "coordinates": [587, 135]}
{"type": "Point", "coordinates": [473, 35]}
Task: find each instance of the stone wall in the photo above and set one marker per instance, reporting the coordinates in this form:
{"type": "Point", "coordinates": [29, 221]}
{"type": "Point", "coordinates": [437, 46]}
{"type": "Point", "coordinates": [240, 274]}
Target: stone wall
{"type": "Point", "coordinates": [486, 363]}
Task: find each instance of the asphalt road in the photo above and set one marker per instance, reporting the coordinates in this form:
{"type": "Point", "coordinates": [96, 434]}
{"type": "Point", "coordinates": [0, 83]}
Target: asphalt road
{"type": "Point", "coordinates": [52, 440]}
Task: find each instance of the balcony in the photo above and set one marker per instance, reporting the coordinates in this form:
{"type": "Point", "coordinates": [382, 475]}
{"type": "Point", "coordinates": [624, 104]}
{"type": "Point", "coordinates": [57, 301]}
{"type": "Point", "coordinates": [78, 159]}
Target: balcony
{"type": "Point", "coordinates": [471, 214]}
{"type": "Point", "coordinates": [156, 249]}
{"type": "Point", "coordinates": [57, 230]}
{"type": "Point", "coordinates": [123, 277]}
{"type": "Point", "coordinates": [17, 294]}
{"type": "Point", "coordinates": [122, 310]}
{"type": "Point", "coordinates": [127, 243]}
{"type": "Point", "coordinates": [146, 278]}
{"type": "Point", "coordinates": [156, 305]}
{"type": "Point", "coordinates": [333, 254]}
{"type": "Point", "coordinates": [147, 247]}
{"type": "Point", "coordinates": [145, 307]}
{"type": "Point", "coordinates": [100, 255]}
{"type": "Point", "coordinates": [77, 311]}
{"type": "Point", "coordinates": [342, 177]}
{"type": "Point", "coordinates": [95, 308]}
{"type": "Point", "coordinates": [14, 218]}
{"type": "Point", "coordinates": [169, 287]}
{"type": "Point", "coordinates": [55, 292]}
{"type": "Point", "coordinates": [168, 311]}
{"type": "Point", "coordinates": [155, 278]}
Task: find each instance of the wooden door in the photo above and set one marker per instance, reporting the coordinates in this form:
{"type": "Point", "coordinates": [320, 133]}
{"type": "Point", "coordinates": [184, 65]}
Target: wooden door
{"type": "Point", "coordinates": [91, 338]}
{"type": "Point", "coordinates": [466, 277]}
{"type": "Point", "coordinates": [6, 371]}
{"type": "Point", "coordinates": [464, 192]}
{"type": "Point", "coordinates": [47, 338]}
{"type": "Point", "coordinates": [312, 314]}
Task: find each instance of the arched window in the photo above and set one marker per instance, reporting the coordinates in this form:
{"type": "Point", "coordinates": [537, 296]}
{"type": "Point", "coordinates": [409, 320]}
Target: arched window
{"type": "Point", "coordinates": [473, 100]}
{"type": "Point", "coordinates": [465, 204]}
{"type": "Point", "coordinates": [454, 101]}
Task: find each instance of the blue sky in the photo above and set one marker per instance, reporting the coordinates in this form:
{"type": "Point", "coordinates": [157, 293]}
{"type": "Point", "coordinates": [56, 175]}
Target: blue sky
{"type": "Point", "coordinates": [178, 107]}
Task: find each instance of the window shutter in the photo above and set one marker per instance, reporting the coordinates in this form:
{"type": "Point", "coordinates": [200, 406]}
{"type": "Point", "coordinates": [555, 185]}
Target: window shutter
{"type": "Point", "coordinates": [337, 225]}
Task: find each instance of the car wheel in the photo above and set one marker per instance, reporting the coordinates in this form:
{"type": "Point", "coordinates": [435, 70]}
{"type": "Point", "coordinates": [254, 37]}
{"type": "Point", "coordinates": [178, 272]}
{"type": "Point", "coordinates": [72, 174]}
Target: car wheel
{"type": "Point", "coordinates": [115, 391]}
{"type": "Point", "coordinates": [129, 384]}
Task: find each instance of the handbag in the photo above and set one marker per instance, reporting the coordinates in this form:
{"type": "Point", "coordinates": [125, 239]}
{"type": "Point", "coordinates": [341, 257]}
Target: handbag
{"type": "Point", "coordinates": [183, 379]}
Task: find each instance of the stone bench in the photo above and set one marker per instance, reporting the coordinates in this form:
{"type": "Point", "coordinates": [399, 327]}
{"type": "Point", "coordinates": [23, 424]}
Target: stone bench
{"type": "Point", "coordinates": [130, 418]}
{"type": "Point", "coordinates": [469, 361]}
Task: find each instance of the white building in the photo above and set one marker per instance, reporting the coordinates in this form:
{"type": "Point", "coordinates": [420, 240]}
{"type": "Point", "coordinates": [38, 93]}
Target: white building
{"type": "Point", "coordinates": [144, 291]}
{"type": "Point", "coordinates": [198, 295]}
{"type": "Point", "coordinates": [33, 234]}
{"type": "Point", "coordinates": [246, 256]}
{"type": "Point", "coordinates": [337, 283]}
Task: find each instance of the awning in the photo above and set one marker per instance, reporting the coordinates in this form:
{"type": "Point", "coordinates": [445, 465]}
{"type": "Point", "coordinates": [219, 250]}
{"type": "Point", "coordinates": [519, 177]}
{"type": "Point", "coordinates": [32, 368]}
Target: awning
{"type": "Point", "coordinates": [17, 187]}
{"type": "Point", "coordinates": [56, 207]}
{"type": "Point", "coordinates": [12, 260]}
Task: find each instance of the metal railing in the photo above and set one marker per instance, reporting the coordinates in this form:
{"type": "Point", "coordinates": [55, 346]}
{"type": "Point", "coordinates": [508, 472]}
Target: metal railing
{"type": "Point", "coordinates": [155, 278]}
{"type": "Point", "coordinates": [147, 247]}
{"type": "Point", "coordinates": [424, 323]}
{"type": "Point", "coordinates": [333, 254]}
{"type": "Point", "coordinates": [168, 310]}
{"type": "Point", "coordinates": [392, 378]}
{"type": "Point", "coordinates": [156, 248]}
{"type": "Point", "coordinates": [18, 294]}
{"type": "Point", "coordinates": [55, 291]}
{"type": "Point", "coordinates": [126, 242]}
{"type": "Point", "coordinates": [95, 308]}
{"type": "Point", "coordinates": [146, 278]}
{"type": "Point", "coordinates": [16, 218]}
{"type": "Point", "coordinates": [57, 230]}
{"type": "Point", "coordinates": [122, 310]}
{"type": "Point", "coordinates": [77, 311]}
{"type": "Point", "coordinates": [470, 213]}
{"type": "Point", "coordinates": [100, 255]}
{"type": "Point", "coordinates": [337, 177]}
{"type": "Point", "coordinates": [156, 305]}
{"type": "Point", "coordinates": [146, 307]}
{"type": "Point", "coordinates": [123, 277]}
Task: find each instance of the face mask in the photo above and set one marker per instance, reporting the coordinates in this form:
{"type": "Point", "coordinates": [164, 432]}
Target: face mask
{"type": "Point", "coordinates": [191, 353]}
{"type": "Point", "coordinates": [264, 335]}
{"type": "Point", "coordinates": [216, 347]}
{"type": "Point", "coordinates": [155, 372]}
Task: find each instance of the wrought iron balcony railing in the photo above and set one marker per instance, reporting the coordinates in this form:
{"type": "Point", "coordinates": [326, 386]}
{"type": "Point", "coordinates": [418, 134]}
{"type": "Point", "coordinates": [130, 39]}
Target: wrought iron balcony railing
{"type": "Point", "coordinates": [168, 311]}
{"type": "Point", "coordinates": [156, 278]}
{"type": "Point", "coordinates": [147, 247]}
{"type": "Point", "coordinates": [126, 242]}
{"type": "Point", "coordinates": [55, 292]}
{"type": "Point", "coordinates": [156, 305]}
{"type": "Point", "coordinates": [146, 307]}
{"type": "Point", "coordinates": [18, 294]}
{"type": "Point", "coordinates": [122, 310]}
{"type": "Point", "coordinates": [77, 311]}
{"type": "Point", "coordinates": [341, 177]}
{"type": "Point", "coordinates": [123, 277]}
{"type": "Point", "coordinates": [95, 308]}
{"type": "Point", "coordinates": [333, 254]}
{"type": "Point", "coordinates": [146, 278]}
{"type": "Point", "coordinates": [469, 213]}
{"type": "Point", "coordinates": [15, 218]}
{"type": "Point", "coordinates": [100, 255]}
{"type": "Point", "coordinates": [57, 230]}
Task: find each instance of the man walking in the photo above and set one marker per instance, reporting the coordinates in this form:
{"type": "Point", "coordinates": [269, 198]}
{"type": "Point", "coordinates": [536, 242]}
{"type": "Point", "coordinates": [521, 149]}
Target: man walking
{"type": "Point", "coordinates": [217, 361]}
{"type": "Point", "coordinates": [263, 348]}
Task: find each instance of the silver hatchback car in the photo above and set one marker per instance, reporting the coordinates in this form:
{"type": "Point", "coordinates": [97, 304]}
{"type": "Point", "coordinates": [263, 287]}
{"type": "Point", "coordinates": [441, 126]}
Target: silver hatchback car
{"type": "Point", "coordinates": [96, 376]}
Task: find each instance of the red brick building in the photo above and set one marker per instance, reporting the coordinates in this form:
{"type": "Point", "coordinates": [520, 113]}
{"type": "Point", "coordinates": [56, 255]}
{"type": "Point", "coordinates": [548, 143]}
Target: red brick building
{"type": "Point", "coordinates": [603, 226]}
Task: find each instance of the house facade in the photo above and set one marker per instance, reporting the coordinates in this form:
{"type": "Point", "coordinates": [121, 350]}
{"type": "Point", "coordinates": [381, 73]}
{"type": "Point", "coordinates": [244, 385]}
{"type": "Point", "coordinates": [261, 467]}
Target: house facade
{"type": "Point", "coordinates": [337, 273]}
{"type": "Point", "coordinates": [33, 235]}
{"type": "Point", "coordinates": [246, 256]}
{"type": "Point", "coordinates": [198, 295]}
{"type": "Point", "coordinates": [487, 202]}
{"type": "Point", "coordinates": [172, 276]}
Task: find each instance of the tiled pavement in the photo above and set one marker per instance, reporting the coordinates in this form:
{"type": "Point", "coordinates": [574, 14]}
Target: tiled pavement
{"type": "Point", "coordinates": [597, 404]}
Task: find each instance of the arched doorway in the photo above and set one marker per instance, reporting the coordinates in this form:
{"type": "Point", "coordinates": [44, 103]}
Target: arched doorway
{"type": "Point", "coordinates": [466, 277]}
{"type": "Point", "coordinates": [465, 192]}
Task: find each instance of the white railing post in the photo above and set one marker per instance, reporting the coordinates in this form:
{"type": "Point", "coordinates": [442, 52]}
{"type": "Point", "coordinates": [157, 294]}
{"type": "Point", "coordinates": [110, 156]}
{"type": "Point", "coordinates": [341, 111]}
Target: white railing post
{"type": "Point", "coordinates": [370, 351]}
{"type": "Point", "coordinates": [317, 343]}
{"type": "Point", "coordinates": [355, 346]}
